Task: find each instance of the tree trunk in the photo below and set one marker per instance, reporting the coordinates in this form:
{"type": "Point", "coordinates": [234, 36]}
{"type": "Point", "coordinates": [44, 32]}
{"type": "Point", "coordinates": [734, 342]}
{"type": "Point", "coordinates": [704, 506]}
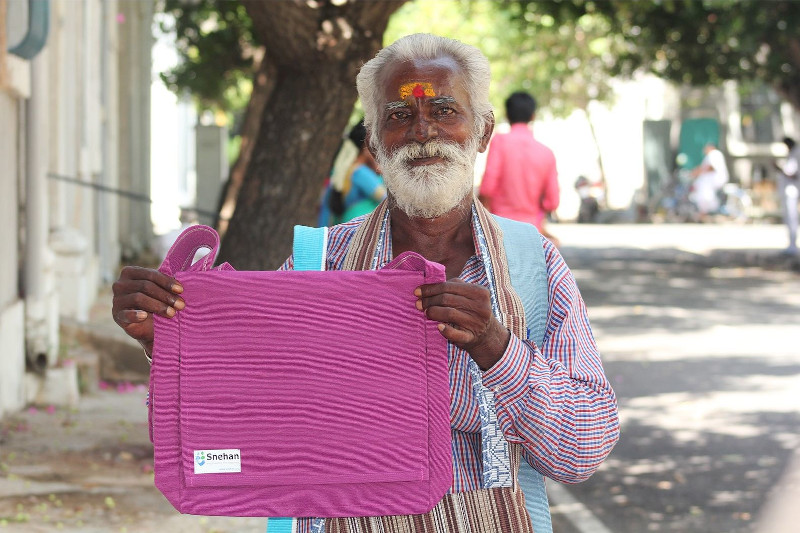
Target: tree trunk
{"type": "Point", "coordinates": [263, 83]}
{"type": "Point", "coordinates": [316, 49]}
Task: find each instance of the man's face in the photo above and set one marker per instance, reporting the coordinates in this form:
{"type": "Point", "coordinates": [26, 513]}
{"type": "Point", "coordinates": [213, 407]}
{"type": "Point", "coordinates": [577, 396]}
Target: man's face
{"type": "Point", "coordinates": [426, 140]}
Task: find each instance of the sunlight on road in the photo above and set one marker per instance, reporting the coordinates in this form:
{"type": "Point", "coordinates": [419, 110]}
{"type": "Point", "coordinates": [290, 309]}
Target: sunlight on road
{"type": "Point", "coordinates": [768, 341]}
{"type": "Point", "coordinates": [689, 417]}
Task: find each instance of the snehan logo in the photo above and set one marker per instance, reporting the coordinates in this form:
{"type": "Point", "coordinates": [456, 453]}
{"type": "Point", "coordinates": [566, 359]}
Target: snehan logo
{"type": "Point", "coordinates": [217, 461]}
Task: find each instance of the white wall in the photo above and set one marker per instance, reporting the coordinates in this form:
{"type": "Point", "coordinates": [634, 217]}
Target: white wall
{"type": "Point", "coordinates": [172, 160]}
{"type": "Point", "coordinates": [12, 331]}
{"type": "Point", "coordinates": [133, 62]}
{"type": "Point", "coordinates": [12, 357]}
{"type": "Point", "coordinates": [9, 175]}
{"type": "Point", "coordinates": [86, 81]}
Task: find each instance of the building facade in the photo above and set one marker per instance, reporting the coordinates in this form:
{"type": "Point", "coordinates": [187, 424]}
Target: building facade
{"type": "Point", "coordinates": [74, 111]}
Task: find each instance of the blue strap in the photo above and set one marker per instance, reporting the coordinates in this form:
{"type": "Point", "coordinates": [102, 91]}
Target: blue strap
{"type": "Point", "coordinates": [528, 270]}
{"type": "Point", "coordinates": [532, 484]}
{"type": "Point", "coordinates": [309, 248]}
{"type": "Point", "coordinates": [279, 525]}
{"type": "Point", "coordinates": [309, 253]}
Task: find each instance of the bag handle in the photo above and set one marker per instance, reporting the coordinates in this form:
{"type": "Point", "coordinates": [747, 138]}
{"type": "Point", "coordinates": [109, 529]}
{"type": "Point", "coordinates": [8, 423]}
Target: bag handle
{"type": "Point", "coordinates": [182, 252]}
{"type": "Point", "coordinates": [309, 248]}
{"type": "Point", "coordinates": [528, 270]}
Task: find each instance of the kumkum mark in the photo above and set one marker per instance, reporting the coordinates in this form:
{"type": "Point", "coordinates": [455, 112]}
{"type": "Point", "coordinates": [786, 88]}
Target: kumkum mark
{"type": "Point", "coordinates": [416, 89]}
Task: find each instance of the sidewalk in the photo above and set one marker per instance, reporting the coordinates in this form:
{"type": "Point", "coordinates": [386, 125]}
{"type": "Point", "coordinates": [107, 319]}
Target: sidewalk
{"type": "Point", "coordinates": [90, 469]}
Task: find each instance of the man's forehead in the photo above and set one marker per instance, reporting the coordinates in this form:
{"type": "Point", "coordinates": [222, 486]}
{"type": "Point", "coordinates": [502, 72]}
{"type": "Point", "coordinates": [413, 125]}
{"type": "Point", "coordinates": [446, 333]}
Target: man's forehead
{"type": "Point", "coordinates": [422, 77]}
{"type": "Point", "coordinates": [417, 89]}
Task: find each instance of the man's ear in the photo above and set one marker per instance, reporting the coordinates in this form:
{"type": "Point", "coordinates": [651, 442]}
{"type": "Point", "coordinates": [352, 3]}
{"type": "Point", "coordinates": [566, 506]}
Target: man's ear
{"type": "Point", "coordinates": [488, 128]}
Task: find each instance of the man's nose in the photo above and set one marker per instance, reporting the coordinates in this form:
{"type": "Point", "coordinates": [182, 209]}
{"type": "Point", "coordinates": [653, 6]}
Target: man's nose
{"type": "Point", "coordinates": [423, 129]}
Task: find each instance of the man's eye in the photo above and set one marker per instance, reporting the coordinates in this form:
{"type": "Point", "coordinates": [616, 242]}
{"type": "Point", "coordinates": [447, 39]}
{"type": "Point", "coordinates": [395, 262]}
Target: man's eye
{"type": "Point", "coordinates": [445, 111]}
{"type": "Point", "coordinates": [398, 115]}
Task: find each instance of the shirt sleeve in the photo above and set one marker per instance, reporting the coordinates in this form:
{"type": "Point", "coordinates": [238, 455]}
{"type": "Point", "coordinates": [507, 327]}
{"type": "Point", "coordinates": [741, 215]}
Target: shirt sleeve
{"type": "Point", "coordinates": [494, 167]}
{"type": "Point", "coordinates": [555, 400]}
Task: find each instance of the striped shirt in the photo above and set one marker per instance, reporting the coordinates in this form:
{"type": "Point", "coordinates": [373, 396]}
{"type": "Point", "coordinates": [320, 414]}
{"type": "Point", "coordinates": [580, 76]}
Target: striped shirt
{"type": "Point", "coordinates": [555, 400]}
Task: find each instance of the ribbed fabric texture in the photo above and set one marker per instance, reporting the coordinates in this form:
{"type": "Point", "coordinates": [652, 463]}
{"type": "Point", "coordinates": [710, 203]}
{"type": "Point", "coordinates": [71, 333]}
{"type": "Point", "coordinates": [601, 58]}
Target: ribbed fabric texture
{"type": "Point", "coordinates": [331, 384]}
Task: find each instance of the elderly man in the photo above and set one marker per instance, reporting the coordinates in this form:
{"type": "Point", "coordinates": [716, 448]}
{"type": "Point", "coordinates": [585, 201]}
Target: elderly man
{"type": "Point", "coordinates": [428, 114]}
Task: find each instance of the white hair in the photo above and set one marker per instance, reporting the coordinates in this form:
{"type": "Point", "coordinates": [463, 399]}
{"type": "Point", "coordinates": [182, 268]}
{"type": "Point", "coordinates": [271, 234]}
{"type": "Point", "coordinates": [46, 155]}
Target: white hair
{"type": "Point", "coordinates": [474, 67]}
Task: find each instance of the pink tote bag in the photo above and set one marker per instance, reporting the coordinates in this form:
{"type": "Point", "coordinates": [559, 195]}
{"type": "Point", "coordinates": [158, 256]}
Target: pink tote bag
{"type": "Point", "coordinates": [321, 394]}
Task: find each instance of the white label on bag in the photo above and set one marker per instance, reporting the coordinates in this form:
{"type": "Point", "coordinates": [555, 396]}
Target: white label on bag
{"type": "Point", "coordinates": [217, 461]}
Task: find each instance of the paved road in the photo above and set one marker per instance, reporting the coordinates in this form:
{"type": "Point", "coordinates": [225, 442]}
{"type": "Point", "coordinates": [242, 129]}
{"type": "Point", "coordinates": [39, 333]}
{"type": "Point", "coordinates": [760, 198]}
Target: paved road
{"type": "Point", "coordinates": [698, 326]}
{"type": "Point", "coordinates": [699, 329]}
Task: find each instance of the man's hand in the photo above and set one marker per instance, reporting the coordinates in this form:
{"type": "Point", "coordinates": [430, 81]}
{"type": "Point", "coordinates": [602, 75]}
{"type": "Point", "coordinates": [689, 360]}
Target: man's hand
{"type": "Point", "coordinates": [140, 292]}
{"type": "Point", "coordinates": [464, 313]}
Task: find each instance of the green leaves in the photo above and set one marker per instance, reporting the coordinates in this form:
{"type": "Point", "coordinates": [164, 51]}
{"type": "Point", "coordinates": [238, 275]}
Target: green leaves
{"type": "Point", "coordinates": [217, 48]}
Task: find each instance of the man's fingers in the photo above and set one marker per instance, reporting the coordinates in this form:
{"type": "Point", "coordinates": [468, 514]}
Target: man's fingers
{"type": "Point", "coordinates": [457, 326]}
{"type": "Point", "coordinates": [474, 301]}
{"type": "Point", "coordinates": [139, 293]}
{"type": "Point", "coordinates": [446, 315]}
{"type": "Point", "coordinates": [130, 316]}
{"type": "Point", "coordinates": [156, 292]}
{"type": "Point", "coordinates": [454, 293]}
{"type": "Point", "coordinates": [426, 303]}
{"type": "Point", "coordinates": [432, 289]}
{"type": "Point", "coordinates": [143, 293]}
{"type": "Point", "coordinates": [169, 284]}
{"type": "Point", "coordinates": [453, 334]}
{"type": "Point", "coordinates": [127, 305]}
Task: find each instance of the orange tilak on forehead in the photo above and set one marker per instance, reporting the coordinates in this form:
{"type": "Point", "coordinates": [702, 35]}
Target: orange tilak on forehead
{"type": "Point", "coordinates": [416, 89]}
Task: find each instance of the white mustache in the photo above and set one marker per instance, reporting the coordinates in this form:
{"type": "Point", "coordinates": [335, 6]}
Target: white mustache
{"type": "Point", "coordinates": [433, 148]}
{"type": "Point", "coordinates": [429, 190]}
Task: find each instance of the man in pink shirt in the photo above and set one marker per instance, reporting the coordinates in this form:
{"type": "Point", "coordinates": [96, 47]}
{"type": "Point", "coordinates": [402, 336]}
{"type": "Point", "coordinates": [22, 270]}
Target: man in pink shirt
{"type": "Point", "coordinates": [521, 180]}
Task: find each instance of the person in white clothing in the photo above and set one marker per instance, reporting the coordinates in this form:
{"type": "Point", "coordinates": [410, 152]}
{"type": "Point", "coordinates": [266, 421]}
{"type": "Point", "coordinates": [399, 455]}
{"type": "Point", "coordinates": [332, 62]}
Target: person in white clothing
{"type": "Point", "coordinates": [709, 177]}
{"type": "Point", "coordinates": [789, 188]}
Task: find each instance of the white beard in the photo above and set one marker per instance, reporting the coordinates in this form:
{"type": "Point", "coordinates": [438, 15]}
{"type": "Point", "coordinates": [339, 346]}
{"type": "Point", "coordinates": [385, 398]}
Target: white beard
{"type": "Point", "coordinates": [429, 191]}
